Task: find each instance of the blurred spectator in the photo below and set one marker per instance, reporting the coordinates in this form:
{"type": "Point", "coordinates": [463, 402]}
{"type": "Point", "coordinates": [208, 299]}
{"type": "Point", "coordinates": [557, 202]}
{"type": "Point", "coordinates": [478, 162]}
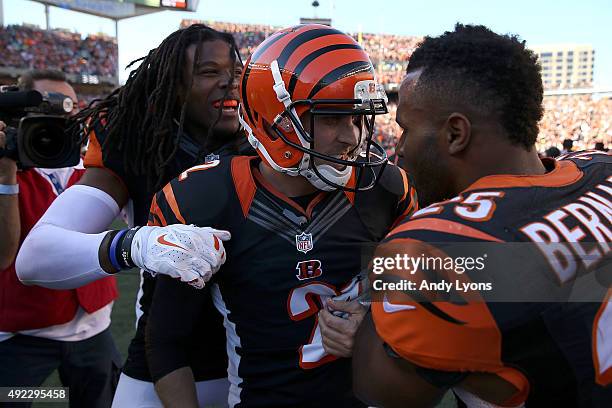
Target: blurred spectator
{"type": "Point", "coordinates": [600, 146]}
{"type": "Point", "coordinates": [568, 145]}
{"type": "Point", "coordinates": [552, 152]}
{"type": "Point", "coordinates": [27, 46]}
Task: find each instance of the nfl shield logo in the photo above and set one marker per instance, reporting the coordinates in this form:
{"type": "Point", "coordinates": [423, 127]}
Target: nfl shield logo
{"type": "Point", "coordinates": [211, 158]}
{"type": "Point", "coordinates": [303, 242]}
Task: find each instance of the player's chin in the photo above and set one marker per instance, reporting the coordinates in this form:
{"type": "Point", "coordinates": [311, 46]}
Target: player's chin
{"type": "Point", "coordinates": [226, 127]}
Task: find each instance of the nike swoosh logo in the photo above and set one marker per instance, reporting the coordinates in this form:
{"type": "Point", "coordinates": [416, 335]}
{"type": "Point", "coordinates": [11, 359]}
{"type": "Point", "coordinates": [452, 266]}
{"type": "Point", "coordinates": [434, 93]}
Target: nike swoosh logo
{"type": "Point", "coordinates": [389, 307]}
{"type": "Point", "coordinates": [162, 240]}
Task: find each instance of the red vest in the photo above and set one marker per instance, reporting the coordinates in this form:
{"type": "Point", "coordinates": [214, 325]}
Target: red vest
{"type": "Point", "coordinates": [33, 307]}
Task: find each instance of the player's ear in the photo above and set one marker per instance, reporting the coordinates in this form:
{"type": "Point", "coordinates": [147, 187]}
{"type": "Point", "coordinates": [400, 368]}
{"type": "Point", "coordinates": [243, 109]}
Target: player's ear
{"type": "Point", "coordinates": [458, 131]}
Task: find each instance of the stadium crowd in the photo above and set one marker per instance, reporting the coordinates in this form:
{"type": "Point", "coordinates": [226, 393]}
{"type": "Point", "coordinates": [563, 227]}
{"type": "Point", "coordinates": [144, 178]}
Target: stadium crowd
{"type": "Point", "coordinates": [389, 53]}
{"type": "Point", "coordinates": [30, 47]}
{"type": "Point", "coordinates": [583, 119]}
{"type": "Point", "coordinates": [579, 118]}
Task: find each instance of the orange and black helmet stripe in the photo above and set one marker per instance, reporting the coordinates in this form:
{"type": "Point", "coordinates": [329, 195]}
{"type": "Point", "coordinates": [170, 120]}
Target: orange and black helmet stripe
{"type": "Point", "coordinates": [258, 52]}
{"type": "Point", "coordinates": [302, 39]}
{"type": "Point", "coordinates": [343, 71]}
{"type": "Point", "coordinates": [291, 47]}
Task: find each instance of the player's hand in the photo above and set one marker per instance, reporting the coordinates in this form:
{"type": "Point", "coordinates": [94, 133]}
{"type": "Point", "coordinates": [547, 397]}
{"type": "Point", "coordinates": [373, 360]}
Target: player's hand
{"type": "Point", "coordinates": [338, 333]}
{"type": "Point", "coordinates": [8, 167]}
{"type": "Point", "coordinates": [189, 253]}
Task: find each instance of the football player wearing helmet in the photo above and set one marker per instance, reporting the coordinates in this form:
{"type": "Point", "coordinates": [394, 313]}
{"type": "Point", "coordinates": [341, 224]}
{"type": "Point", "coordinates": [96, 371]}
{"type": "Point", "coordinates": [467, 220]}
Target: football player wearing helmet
{"type": "Point", "coordinates": [179, 106]}
{"type": "Point", "coordinates": [301, 215]}
{"type": "Point", "coordinates": [534, 327]}
{"type": "Point", "coordinates": [333, 80]}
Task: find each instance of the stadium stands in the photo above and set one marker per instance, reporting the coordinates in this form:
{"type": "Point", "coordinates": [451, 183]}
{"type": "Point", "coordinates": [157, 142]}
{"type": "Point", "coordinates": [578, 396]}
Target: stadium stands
{"type": "Point", "coordinates": [27, 46]}
{"type": "Point", "coordinates": [389, 53]}
{"type": "Point", "coordinates": [576, 117]}
{"type": "Point", "coordinates": [581, 118]}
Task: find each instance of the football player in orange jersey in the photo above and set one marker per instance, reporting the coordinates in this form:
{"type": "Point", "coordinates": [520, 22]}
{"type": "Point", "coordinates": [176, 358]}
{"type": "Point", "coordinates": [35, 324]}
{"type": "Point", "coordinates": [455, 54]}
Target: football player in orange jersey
{"type": "Point", "coordinates": [469, 109]}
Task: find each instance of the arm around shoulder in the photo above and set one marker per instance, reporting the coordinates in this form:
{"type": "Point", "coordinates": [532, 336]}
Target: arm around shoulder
{"type": "Point", "coordinates": [69, 235]}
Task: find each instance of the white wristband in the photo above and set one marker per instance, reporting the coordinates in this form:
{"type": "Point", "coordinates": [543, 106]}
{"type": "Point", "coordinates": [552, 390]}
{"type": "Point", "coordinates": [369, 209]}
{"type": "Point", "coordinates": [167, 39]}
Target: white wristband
{"type": "Point", "coordinates": [9, 189]}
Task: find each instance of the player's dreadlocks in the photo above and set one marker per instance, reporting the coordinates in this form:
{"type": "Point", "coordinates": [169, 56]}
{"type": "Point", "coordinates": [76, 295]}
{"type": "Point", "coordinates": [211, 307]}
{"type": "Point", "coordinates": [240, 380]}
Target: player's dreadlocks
{"type": "Point", "coordinates": [140, 117]}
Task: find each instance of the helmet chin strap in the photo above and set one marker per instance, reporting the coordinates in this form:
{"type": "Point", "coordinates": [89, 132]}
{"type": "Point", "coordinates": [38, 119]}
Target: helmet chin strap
{"type": "Point", "coordinates": [339, 177]}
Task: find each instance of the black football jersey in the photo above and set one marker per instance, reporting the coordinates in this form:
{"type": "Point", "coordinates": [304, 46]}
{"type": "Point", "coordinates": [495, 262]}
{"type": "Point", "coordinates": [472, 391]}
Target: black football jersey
{"type": "Point", "coordinates": [283, 262]}
{"type": "Point", "coordinates": [141, 195]}
{"type": "Point", "coordinates": [538, 312]}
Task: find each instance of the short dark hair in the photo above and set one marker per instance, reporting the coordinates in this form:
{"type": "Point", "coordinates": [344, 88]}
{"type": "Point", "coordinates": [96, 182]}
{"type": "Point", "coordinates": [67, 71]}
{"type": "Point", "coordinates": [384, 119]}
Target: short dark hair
{"type": "Point", "coordinates": [26, 80]}
{"type": "Point", "coordinates": [552, 152]}
{"type": "Point", "coordinates": [568, 144]}
{"type": "Point", "coordinates": [494, 74]}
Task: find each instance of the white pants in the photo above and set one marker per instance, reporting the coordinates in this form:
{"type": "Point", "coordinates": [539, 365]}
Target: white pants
{"type": "Point", "coordinates": [132, 393]}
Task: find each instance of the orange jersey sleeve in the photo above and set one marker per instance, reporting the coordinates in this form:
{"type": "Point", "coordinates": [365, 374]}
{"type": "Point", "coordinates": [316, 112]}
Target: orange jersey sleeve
{"type": "Point", "coordinates": [93, 157]}
{"type": "Point", "coordinates": [431, 332]}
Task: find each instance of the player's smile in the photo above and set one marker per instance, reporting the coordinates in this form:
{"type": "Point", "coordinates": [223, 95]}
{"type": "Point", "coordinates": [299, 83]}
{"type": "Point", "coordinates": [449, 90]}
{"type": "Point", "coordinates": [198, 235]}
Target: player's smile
{"type": "Point", "coordinates": [230, 107]}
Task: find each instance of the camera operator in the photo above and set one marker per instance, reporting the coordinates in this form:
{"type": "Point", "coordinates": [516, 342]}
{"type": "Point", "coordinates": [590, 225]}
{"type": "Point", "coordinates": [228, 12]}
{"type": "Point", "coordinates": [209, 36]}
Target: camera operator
{"type": "Point", "coordinates": [43, 329]}
{"type": "Point", "coordinates": [9, 207]}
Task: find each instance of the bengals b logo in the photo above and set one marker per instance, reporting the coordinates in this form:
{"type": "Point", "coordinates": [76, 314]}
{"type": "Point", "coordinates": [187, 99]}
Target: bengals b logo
{"type": "Point", "coordinates": [309, 269]}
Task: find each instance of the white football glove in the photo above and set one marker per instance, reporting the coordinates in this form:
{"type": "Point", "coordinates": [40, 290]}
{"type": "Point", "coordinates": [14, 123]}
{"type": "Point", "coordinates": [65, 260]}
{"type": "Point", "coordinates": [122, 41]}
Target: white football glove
{"type": "Point", "coordinates": [189, 253]}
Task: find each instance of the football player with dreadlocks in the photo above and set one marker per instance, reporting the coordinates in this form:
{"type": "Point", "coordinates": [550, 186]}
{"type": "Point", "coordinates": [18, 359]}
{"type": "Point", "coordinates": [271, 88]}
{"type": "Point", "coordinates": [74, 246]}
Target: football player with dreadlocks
{"type": "Point", "coordinates": [178, 107]}
{"type": "Point", "coordinates": [301, 215]}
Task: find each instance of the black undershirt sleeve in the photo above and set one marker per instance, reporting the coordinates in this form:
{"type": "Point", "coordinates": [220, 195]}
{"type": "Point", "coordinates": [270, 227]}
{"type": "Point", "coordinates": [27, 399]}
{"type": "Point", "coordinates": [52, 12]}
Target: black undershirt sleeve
{"type": "Point", "coordinates": [174, 312]}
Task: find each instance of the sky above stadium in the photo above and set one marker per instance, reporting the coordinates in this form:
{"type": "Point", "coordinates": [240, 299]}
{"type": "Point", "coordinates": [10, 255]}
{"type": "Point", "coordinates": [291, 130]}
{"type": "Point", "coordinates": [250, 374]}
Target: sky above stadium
{"type": "Point", "coordinates": [537, 22]}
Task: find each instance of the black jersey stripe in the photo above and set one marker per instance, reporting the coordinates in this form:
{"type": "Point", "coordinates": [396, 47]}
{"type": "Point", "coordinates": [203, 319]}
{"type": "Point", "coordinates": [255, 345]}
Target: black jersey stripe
{"type": "Point", "coordinates": [272, 220]}
{"type": "Point", "coordinates": [262, 210]}
{"type": "Point", "coordinates": [343, 71]}
{"type": "Point", "coordinates": [164, 210]}
{"type": "Point", "coordinates": [424, 301]}
{"type": "Point", "coordinates": [270, 227]}
{"type": "Point", "coordinates": [311, 57]}
{"type": "Point", "coordinates": [334, 219]}
{"type": "Point", "coordinates": [440, 313]}
{"type": "Point", "coordinates": [326, 213]}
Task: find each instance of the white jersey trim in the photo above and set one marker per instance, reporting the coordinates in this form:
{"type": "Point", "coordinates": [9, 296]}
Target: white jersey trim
{"type": "Point", "coordinates": [233, 341]}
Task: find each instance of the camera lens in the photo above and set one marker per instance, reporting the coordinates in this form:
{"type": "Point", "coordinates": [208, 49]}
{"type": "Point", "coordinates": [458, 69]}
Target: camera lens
{"type": "Point", "coordinates": [46, 144]}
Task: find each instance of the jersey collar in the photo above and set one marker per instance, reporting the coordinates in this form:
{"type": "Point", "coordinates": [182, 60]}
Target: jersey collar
{"type": "Point", "coordinates": [559, 174]}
